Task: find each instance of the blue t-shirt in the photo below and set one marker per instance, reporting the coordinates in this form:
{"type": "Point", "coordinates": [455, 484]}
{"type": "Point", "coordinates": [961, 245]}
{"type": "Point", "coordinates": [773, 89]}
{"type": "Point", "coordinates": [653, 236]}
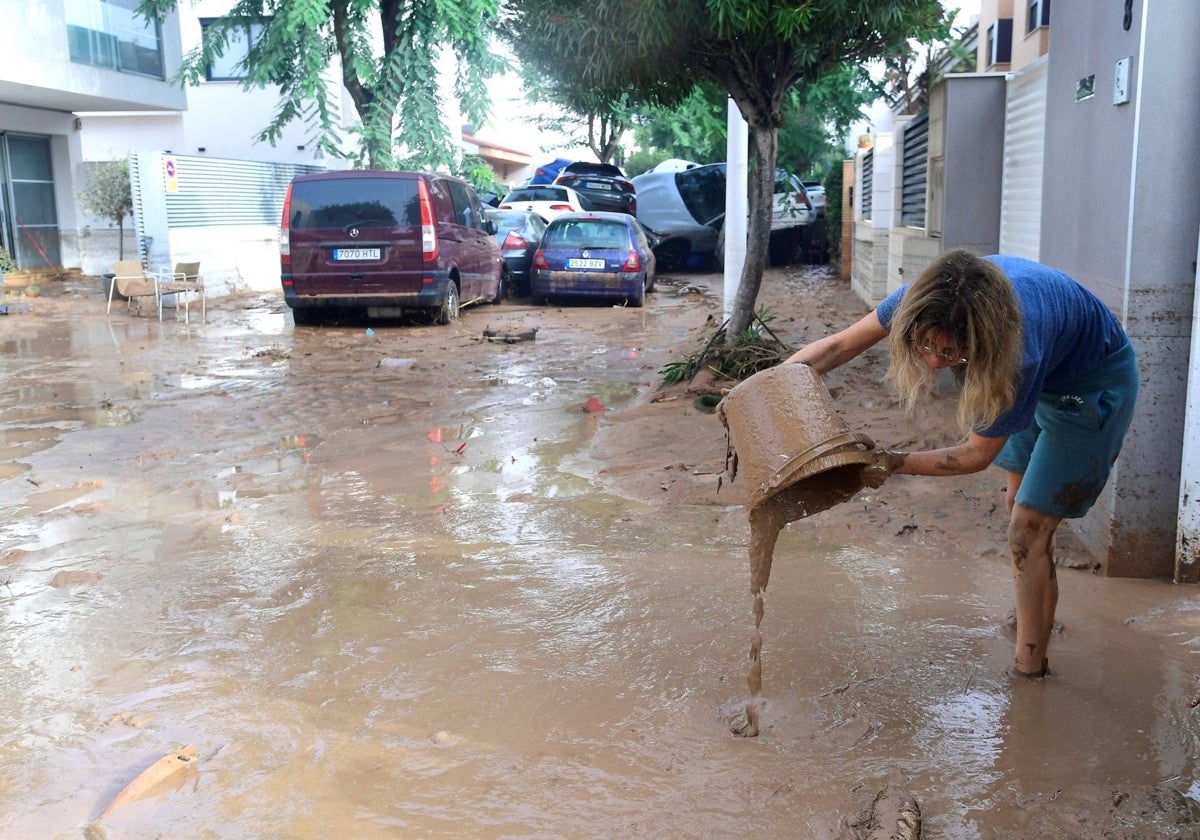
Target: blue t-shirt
{"type": "Point", "coordinates": [1066, 330]}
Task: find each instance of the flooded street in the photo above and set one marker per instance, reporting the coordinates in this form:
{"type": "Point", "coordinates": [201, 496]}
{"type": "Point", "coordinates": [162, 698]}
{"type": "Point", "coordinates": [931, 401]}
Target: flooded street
{"type": "Point", "coordinates": [399, 582]}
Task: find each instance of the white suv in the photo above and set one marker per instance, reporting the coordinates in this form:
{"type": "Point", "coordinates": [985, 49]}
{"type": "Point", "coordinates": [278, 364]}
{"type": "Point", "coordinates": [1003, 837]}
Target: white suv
{"type": "Point", "coordinates": [791, 206]}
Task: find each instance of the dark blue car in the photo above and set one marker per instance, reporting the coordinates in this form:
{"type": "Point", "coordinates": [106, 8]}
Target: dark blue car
{"type": "Point", "coordinates": [518, 233]}
{"type": "Point", "coordinates": [593, 255]}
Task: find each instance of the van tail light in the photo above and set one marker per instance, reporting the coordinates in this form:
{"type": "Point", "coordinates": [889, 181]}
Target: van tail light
{"type": "Point", "coordinates": [633, 263]}
{"type": "Point", "coordinates": [512, 242]}
{"type": "Point", "coordinates": [285, 243]}
{"type": "Point", "coordinates": [428, 231]}
{"type": "Point", "coordinates": [539, 260]}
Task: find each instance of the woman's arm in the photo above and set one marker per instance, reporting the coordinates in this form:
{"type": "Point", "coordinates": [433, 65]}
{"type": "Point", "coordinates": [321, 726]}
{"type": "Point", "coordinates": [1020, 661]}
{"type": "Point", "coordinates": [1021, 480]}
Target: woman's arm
{"type": "Point", "coordinates": [824, 354]}
{"type": "Point", "coordinates": [970, 456]}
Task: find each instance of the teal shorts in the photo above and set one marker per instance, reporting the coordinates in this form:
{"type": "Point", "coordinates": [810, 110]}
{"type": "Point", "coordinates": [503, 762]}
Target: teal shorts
{"type": "Point", "coordinates": [1066, 454]}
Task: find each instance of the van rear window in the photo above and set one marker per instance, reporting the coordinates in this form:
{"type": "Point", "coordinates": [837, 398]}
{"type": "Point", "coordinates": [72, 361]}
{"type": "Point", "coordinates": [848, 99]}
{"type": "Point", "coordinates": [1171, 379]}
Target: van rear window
{"type": "Point", "coordinates": [357, 202]}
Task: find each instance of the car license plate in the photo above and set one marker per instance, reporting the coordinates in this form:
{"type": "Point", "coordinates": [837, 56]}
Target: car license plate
{"type": "Point", "coordinates": [340, 254]}
{"type": "Point", "coordinates": [580, 263]}
{"type": "Point", "coordinates": [596, 185]}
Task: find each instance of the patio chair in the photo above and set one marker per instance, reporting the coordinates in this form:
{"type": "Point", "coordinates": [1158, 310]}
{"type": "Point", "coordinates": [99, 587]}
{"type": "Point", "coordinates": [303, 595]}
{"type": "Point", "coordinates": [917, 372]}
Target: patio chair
{"type": "Point", "coordinates": [184, 282]}
{"type": "Point", "coordinates": [132, 282]}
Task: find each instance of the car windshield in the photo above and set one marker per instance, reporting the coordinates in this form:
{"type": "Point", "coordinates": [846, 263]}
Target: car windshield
{"type": "Point", "coordinates": [537, 194]}
{"type": "Point", "coordinates": [587, 233]}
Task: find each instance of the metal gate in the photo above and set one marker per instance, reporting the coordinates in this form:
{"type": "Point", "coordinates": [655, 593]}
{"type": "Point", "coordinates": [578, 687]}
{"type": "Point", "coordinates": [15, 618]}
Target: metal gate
{"type": "Point", "coordinates": [1024, 151]}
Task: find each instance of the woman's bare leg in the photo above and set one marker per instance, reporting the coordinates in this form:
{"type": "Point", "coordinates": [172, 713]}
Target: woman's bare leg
{"type": "Point", "coordinates": [1031, 540]}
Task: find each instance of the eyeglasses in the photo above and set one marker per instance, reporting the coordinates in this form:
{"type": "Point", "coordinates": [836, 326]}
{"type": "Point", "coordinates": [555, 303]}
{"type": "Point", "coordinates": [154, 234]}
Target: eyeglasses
{"type": "Point", "coordinates": [954, 357]}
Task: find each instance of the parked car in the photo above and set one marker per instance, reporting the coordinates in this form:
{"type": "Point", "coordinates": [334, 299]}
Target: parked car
{"type": "Point", "coordinates": [602, 185]}
{"type": "Point", "coordinates": [816, 193]}
{"type": "Point", "coordinates": [593, 255]}
{"type": "Point", "coordinates": [686, 209]}
{"type": "Point", "coordinates": [385, 243]}
{"type": "Point", "coordinates": [518, 232]}
{"type": "Point", "coordinates": [547, 201]}
{"type": "Point", "coordinates": [547, 172]}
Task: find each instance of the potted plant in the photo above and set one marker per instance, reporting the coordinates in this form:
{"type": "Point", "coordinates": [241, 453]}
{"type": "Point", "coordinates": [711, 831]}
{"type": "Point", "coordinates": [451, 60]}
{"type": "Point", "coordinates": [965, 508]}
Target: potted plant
{"type": "Point", "coordinates": [107, 194]}
{"type": "Point", "coordinates": [7, 263]}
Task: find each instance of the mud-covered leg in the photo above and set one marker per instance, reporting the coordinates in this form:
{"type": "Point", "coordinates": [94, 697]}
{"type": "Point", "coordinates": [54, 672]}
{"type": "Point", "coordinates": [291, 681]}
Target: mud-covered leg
{"type": "Point", "coordinates": [1031, 540]}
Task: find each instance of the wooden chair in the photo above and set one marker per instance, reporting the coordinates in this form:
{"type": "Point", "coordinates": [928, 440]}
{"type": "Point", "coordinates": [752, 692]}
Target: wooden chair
{"type": "Point", "coordinates": [133, 283]}
{"type": "Point", "coordinates": [184, 281]}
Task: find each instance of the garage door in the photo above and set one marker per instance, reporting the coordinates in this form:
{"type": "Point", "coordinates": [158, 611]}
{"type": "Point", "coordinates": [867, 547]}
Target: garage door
{"type": "Point", "coordinates": [1024, 151]}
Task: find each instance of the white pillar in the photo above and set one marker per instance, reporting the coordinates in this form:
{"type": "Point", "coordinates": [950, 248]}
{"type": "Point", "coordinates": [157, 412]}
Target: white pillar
{"type": "Point", "coordinates": [737, 180]}
{"type": "Point", "coordinates": [1187, 549]}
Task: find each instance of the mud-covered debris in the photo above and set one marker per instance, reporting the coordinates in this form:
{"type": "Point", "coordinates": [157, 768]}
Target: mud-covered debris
{"type": "Point", "coordinates": [509, 337]}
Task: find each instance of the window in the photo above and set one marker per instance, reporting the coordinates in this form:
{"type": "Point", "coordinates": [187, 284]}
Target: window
{"type": "Point", "coordinates": [1039, 13]}
{"type": "Point", "coordinates": [999, 42]}
{"type": "Point", "coordinates": [110, 33]}
{"type": "Point", "coordinates": [229, 66]}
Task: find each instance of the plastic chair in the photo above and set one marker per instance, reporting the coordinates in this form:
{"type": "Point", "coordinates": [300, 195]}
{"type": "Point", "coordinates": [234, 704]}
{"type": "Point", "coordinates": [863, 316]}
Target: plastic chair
{"type": "Point", "coordinates": [184, 281]}
{"type": "Point", "coordinates": [133, 283]}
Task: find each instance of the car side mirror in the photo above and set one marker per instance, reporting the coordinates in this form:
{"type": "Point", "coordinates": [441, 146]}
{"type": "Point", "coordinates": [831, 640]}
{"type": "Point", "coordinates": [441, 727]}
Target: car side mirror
{"type": "Point", "coordinates": [489, 225]}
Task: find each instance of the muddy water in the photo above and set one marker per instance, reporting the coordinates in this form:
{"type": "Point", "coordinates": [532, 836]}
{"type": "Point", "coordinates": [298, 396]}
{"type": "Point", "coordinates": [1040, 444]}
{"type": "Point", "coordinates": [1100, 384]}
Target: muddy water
{"type": "Point", "coordinates": [400, 601]}
{"type": "Point", "coordinates": [798, 458]}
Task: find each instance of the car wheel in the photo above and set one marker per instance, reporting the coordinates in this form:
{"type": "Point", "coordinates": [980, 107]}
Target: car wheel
{"type": "Point", "coordinates": [305, 316]}
{"type": "Point", "coordinates": [672, 255]}
{"type": "Point", "coordinates": [719, 250]}
{"type": "Point", "coordinates": [505, 288]}
{"type": "Point", "coordinates": [448, 311]}
{"type": "Point", "coordinates": [640, 298]}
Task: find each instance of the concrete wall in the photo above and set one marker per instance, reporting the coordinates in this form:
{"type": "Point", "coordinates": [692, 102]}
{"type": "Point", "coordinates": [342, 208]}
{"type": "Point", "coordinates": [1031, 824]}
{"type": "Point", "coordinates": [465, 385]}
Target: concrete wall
{"type": "Point", "coordinates": [1121, 214]}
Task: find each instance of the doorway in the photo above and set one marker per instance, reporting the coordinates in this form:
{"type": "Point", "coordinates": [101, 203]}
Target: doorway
{"type": "Point", "coordinates": [28, 213]}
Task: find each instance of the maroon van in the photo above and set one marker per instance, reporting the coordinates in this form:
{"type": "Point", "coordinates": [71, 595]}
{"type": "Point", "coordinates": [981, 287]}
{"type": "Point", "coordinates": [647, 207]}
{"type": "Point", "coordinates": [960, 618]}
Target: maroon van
{"type": "Point", "coordinates": [387, 243]}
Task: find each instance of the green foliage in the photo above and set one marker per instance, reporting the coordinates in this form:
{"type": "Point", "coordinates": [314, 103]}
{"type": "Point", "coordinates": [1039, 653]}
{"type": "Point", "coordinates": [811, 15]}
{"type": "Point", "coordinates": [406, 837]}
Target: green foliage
{"type": "Point", "coordinates": [655, 52]}
{"type": "Point", "coordinates": [475, 171]}
{"type": "Point", "coordinates": [756, 348]}
{"type": "Point", "coordinates": [387, 51]}
{"type": "Point", "coordinates": [833, 211]}
{"type": "Point", "coordinates": [107, 194]}
{"type": "Point", "coordinates": [7, 263]}
{"type": "Point", "coordinates": [694, 129]}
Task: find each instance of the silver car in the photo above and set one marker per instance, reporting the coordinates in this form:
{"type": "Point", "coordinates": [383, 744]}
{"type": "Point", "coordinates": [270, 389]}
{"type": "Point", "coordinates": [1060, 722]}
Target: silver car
{"type": "Point", "coordinates": [685, 209]}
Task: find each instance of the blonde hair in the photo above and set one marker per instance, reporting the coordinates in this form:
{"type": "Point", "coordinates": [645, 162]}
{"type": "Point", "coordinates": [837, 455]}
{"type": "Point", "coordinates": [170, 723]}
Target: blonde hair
{"type": "Point", "coordinates": [970, 301]}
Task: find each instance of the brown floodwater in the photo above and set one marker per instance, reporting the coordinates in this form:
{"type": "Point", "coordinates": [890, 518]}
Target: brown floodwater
{"type": "Point", "coordinates": [376, 577]}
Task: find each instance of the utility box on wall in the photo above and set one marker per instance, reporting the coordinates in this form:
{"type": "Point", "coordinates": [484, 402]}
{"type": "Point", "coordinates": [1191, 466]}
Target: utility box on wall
{"type": "Point", "coordinates": [966, 161]}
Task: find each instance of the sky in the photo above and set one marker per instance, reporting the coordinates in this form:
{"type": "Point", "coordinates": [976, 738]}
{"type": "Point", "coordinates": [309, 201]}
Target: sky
{"type": "Point", "coordinates": [508, 127]}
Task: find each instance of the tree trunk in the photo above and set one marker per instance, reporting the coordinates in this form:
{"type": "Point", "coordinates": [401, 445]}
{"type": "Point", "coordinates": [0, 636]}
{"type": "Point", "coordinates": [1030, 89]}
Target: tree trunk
{"type": "Point", "coordinates": [758, 233]}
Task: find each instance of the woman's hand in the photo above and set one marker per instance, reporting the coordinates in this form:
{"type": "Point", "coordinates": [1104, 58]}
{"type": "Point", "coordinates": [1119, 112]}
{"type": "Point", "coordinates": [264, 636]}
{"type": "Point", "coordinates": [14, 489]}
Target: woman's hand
{"type": "Point", "coordinates": [886, 462]}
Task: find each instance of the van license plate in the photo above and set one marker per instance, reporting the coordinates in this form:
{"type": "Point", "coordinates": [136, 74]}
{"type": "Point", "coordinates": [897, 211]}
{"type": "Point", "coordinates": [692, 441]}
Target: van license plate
{"type": "Point", "coordinates": [576, 263]}
{"type": "Point", "coordinates": [340, 254]}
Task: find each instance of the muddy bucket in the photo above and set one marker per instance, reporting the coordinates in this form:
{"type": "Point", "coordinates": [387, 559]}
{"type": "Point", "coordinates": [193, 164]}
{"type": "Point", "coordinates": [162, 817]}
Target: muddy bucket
{"type": "Point", "coordinates": [790, 444]}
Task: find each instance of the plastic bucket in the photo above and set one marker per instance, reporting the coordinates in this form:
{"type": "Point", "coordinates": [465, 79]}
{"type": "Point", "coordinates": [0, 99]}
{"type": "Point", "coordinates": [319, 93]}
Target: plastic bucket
{"type": "Point", "coordinates": [788, 442]}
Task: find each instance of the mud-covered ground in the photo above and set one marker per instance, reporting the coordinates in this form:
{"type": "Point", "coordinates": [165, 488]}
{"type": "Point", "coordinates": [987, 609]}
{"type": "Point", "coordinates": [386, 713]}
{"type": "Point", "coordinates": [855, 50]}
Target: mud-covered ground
{"type": "Point", "coordinates": [410, 581]}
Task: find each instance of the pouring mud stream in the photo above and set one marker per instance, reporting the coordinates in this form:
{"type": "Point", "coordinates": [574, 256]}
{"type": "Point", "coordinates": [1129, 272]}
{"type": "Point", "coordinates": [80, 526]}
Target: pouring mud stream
{"type": "Point", "coordinates": [787, 440]}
